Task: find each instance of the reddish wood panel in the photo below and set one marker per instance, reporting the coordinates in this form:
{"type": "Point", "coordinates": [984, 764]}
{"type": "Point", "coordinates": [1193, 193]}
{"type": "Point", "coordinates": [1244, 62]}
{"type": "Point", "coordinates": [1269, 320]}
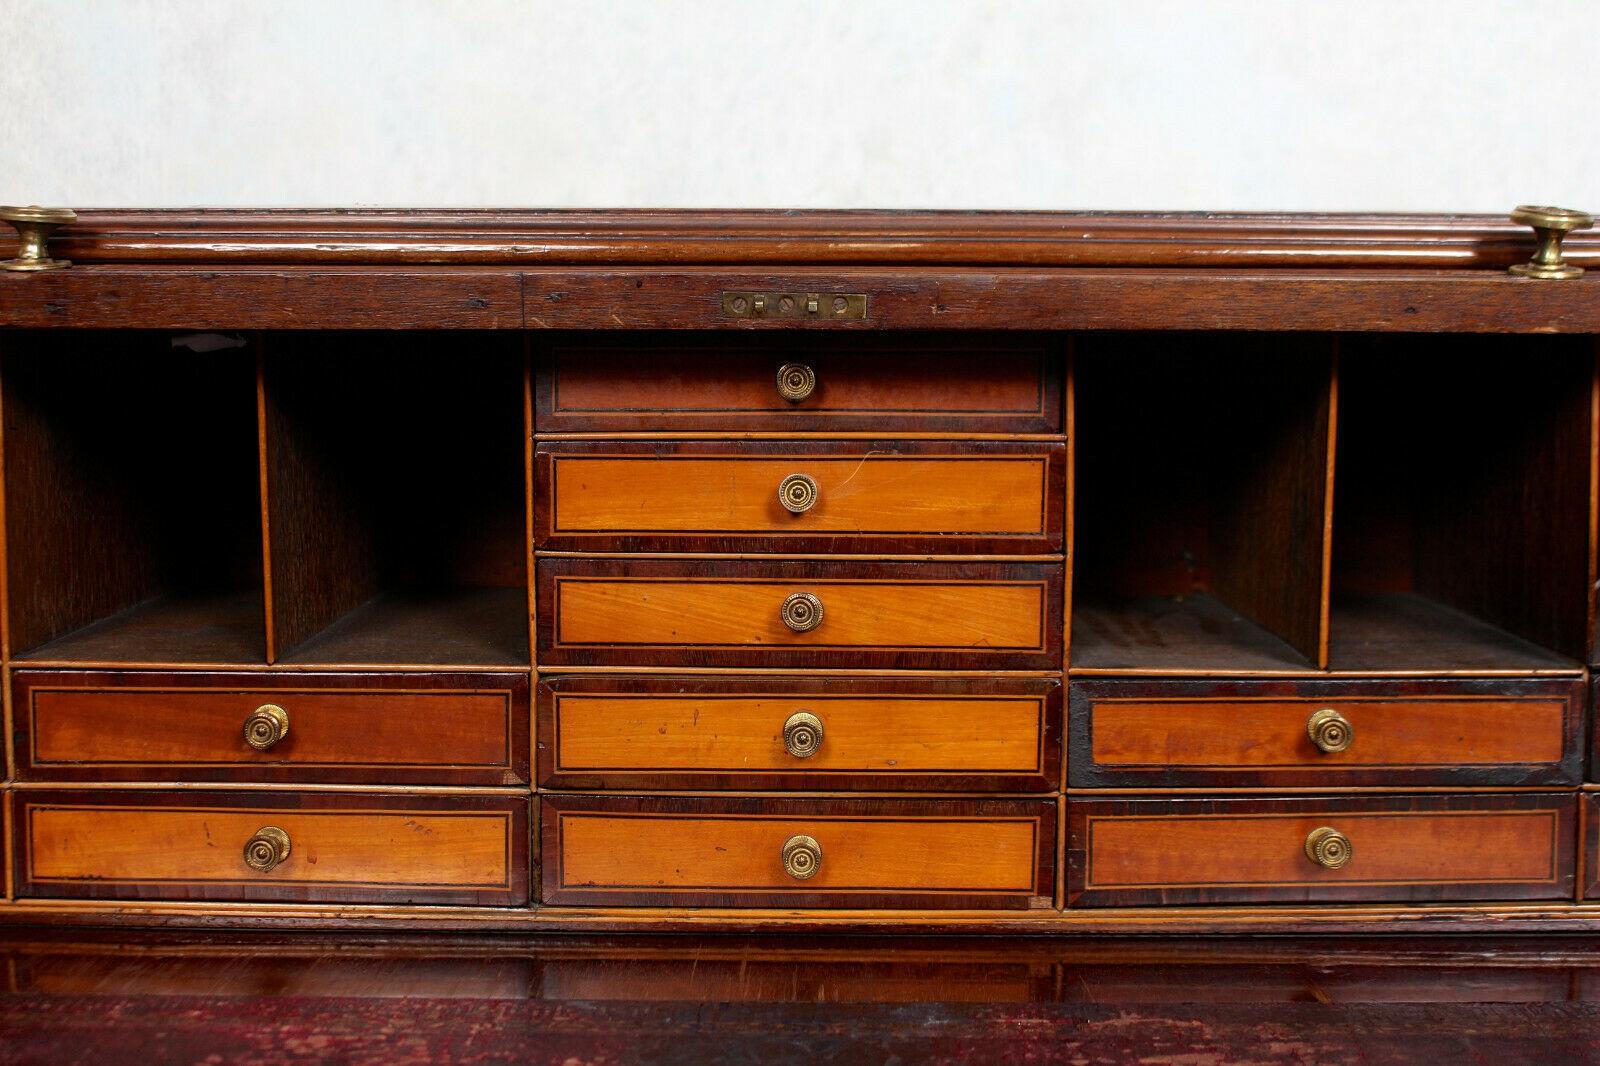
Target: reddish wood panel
{"type": "Point", "coordinates": [970, 383]}
{"type": "Point", "coordinates": [1220, 734]}
{"type": "Point", "coordinates": [691, 612]}
{"type": "Point", "coordinates": [970, 735]}
{"type": "Point", "coordinates": [344, 847]}
{"type": "Point", "coordinates": [638, 851]}
{"type": "Point", "coordinates": [422, 728]}
{"type": "Point", "coordinates": [1141, 852]}
{"type": "Point", "coordinates": [711, 496]}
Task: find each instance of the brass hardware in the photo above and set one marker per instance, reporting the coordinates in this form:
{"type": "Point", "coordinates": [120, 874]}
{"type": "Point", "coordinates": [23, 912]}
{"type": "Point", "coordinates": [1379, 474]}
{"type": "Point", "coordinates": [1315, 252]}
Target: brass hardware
{"type": "Point", "coordinates": [802, 734]}
{"type": "Point", "coordinates": [802, 611]}
{"type": "Point", "coordinates": [34, 225]}
{"type": "Point", "coordinates": [797, 493]}
{"type": "Point", "coordinates": [1330, 731]}
{"type": "Point", "coordinates": [268, 848]}
{"type": "Point", "coordinates": [796, 381]}
{"type": "Point", "coordinates": [266, 725]}
{"type": "Point", "coordinates": [822, 306]}
{"type": "Point", "coordinates": [1328, 847]}
{"type": "Point", "coordinates": [802, 857]}
{"type": "Point", "coordinates": [1550, 225]}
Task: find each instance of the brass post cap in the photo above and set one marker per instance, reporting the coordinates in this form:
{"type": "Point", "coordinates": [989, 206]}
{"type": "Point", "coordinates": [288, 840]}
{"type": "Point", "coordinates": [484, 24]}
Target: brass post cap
{"type": "Point", "coordinates": [1550, 225]}
{"type": "Point", "coordinates": [34, 224]}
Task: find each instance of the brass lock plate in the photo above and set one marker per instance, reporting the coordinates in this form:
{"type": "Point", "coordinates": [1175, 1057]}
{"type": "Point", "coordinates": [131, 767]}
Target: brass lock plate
{"type": "Point", "coordinates": [816, 306]}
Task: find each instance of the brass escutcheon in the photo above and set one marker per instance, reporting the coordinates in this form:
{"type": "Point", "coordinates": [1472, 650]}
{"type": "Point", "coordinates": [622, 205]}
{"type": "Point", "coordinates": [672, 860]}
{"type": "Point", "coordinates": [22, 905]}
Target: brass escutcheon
{"type": "Point", "coordinates": [796, 381]}
{"type": "Point", "coordinates": [797, 493]}
{"type": "Point", "coordinates": [802, 857]}
{"type": "Point", "coordinates": [802, 611]}
{"type": "Point", "coordinates": [1550, 226]}
{"type": "Point", "coordinates": [1328, 848]}
{"type": "Point", "coordinates": [1330, 731]}
{"type": "Point", "coordinates": [268, 848]}
{"type": "Point", "coordinates": [266, 725]}
{"type": "Point", "coordinates": [802, 734]}
{"type": "Point", "coordinates": [34, 225]}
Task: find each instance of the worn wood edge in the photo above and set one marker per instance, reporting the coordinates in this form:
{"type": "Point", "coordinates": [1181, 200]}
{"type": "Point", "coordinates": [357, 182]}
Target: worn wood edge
{"type": "Point", "coordinates": [732, 237]}
{"type": "Point", "coordinates": [1355, 918]}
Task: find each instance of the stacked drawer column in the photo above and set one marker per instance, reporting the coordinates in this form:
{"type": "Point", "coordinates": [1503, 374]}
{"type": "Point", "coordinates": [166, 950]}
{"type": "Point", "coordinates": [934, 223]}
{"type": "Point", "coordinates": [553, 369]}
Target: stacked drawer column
{"type": "Point", "coordinates": [799, 621]}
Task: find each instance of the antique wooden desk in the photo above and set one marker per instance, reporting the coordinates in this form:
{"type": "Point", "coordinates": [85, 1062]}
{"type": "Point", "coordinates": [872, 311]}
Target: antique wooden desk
{"type": "Point", "coordinates": [703, 571]}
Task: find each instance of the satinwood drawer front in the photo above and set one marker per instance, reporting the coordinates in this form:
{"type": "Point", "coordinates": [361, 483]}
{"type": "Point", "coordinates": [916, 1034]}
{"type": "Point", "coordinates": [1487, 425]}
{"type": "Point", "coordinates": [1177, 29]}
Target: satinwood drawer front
{"type": "Point", "coordinates": [901, 496]}
{"type": "Point", "coordinates": [799, 733]}
{"type": "Point", "coordinates": [969, 383]}
{"type": "Point", "coordinates": [812, 852]}
{"type": "Point", "coordinates": [1310, 733]}
{"type": "Point", "coordinates": [457, 728]}
{"type": "Point", "coordinates": [300, 847]}
{"type": "Point", "coordinates": [798, 613]}
{"type": "Point", "coordinates": [1140, 852]}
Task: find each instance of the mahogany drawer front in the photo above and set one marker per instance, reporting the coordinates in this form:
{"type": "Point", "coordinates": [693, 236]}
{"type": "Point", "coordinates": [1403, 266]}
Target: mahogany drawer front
{"type": "Point", "coordinates": [1142, 852]}
{"type": "Point", "coordinates": [698, 612]}
{"type": "Point", "coordinates": [743, 733]}
{"type": "Point", "coordinates": [341, 847]}
{"type": "Point", "coordinates": [667, 851]}
{"type": "Point", "coordinates": [968, 383]}
{"type": "Point", "coordinates": [948, 497]}
{"type": "Point", "coordinates": [1591, 844]}
{"type": "Point", "coordinates": [1142, 734]}
{"type": "Point", "coordinates": [400, 728]}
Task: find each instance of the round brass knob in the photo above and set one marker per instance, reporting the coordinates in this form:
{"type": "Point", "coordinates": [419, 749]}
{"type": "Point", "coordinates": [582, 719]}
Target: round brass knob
{"type": "Point", "coordinates": [1328, 847]}
{"type": "Point", "coordinates": [1550, 226]}
{"type": "Point", "coordinates": [268, 848]}
{"type": "Point", "coordinates": [34, 226]}
{"type": "Point", "coordinates": [802, 857]}
{"type": "Point", "coordinates": [797, 493]}
{"type": "Point", "coordinates": [1330, 731]}
{"type": "Point", "coordinates": [266, 725]}
{"type": "Point", "coordinates": [802, 734]}
{"type": "Point", "coordinates": [796, 381]}
{"type": "Point", "coordinates": [802, 612]}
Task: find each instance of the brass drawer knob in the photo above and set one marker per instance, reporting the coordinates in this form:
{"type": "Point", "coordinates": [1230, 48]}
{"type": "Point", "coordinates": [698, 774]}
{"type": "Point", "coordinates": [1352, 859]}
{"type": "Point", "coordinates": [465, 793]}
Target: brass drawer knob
{"type": "Point", "coordinates": [268, 848]}
{"type": "Point", "coordinates": [802, 612]}
{"type": "Point", "coordinates": [34, 226]}
{"type": "Point", "coordinates": [802, 857]}
{"type": "Point", "coordinates": [1328, 848]}
{"type": "Point", "coordinates": [797, 493]}
{"type": "Point", "coordinates": [796, 381]}
{"type": "Point", "coordinates": [1550, 226]}
{"type": "Point", "coordinates": [802, 734]}
{"type": "Point", "coordinates": [266, 725]}
{"type": "Point", "coordinates": [1330, 731]}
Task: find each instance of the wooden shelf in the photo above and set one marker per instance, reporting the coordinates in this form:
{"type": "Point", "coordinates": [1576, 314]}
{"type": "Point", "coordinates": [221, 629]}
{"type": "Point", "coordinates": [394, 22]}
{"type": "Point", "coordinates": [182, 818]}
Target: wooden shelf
{"type": "Point", "coordinates": [225, 627]}
{"type": "Point", "coordinates": [1170, 634]}
{"type": "Point", "coordinates": [457, 627]}
{"type": "Point", "coordinates": [1394, 632]}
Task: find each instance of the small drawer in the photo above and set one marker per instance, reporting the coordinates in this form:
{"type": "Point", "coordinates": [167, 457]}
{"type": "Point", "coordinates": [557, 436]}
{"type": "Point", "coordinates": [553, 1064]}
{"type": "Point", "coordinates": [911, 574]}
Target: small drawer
{"type": "Point", "coordinates": [813, 852]}
{"type": "Point", "coordinates": [799, 613]}
{"type": "Point", "coordinates": [799, 733]}
{"type": "Point", "coordinates": [908, 382]}
{"type": "Point", "coordinates": [269, 726]}
{"type": "Point", "coordinates": [1146, 852]}
{"type": "Point", "coordinates": [970, 497]}
{"type": "Point", "coordinates": [1227, 734]}
{"type": "Point", "coordinates": [280, 846]}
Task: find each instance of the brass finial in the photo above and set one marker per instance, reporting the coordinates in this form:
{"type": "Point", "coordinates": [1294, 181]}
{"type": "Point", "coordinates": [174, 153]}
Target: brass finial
{"type": "Point", "coordinates": [1550, 225]}
{"type": "Point", "coordinates": [34, 226]}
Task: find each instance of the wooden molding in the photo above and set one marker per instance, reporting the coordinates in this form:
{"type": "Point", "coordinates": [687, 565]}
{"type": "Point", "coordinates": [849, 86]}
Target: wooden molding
{"type": "Point", "coordinates": [860, 238]}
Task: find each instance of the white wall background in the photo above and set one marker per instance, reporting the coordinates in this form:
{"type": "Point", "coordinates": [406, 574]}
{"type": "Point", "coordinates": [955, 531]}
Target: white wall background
{"type": "Point", "coordinates": [1149, 104]}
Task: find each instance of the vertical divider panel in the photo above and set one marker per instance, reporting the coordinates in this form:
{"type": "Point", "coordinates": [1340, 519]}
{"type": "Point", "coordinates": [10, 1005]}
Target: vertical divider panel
{"type": "Point", "coordinates": [1275, 509]}
{"type": "Point", "coordinates": [1069, 565]}
{"type": "Point", "coordinates": [1325, 603]}
{"type": "Point", "coordinates": [1593, 612]}
{"type": "Point", "coordinates": [266, 512]}
{"type": "Point", "coordinates": [322, 557]}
